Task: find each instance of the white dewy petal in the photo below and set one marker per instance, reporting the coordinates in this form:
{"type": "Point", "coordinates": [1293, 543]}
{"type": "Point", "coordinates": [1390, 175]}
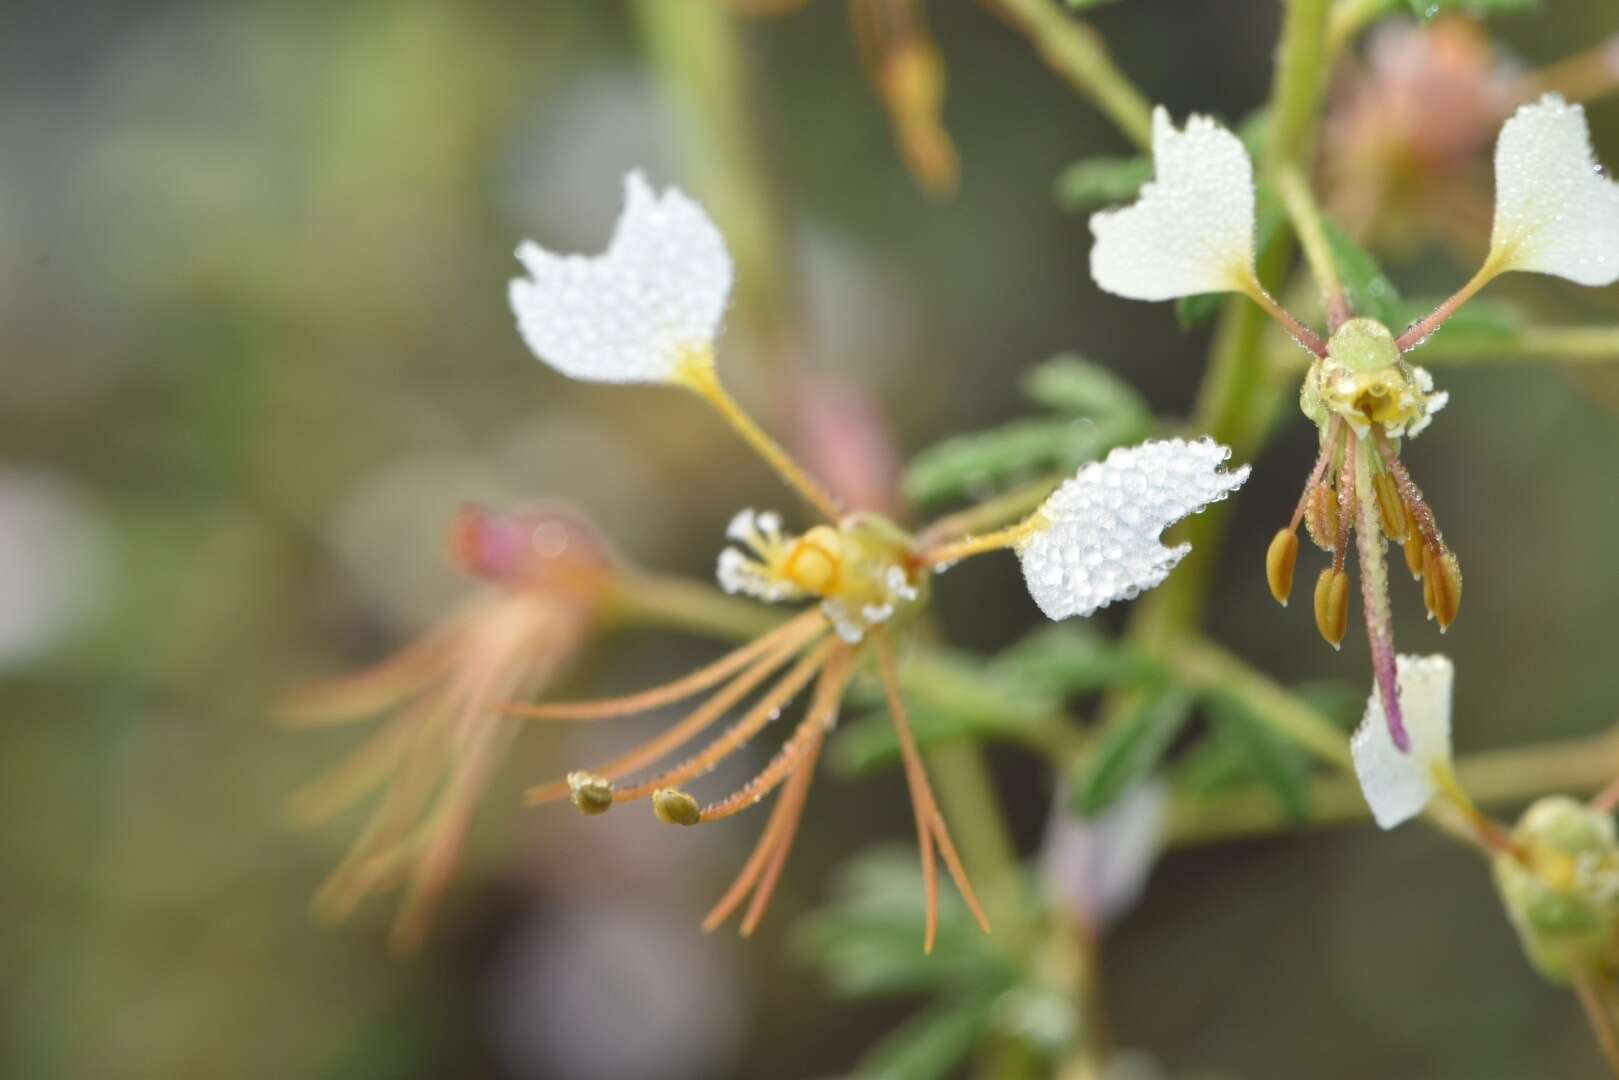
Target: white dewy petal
{"type": "Point", "coordinates": [1397, 785]}
{"type": "Point", "coordinates": [1192, 228]}
{"type": "Point", "coordinates": [1097, 867]}
{"type": "Point", "coordinates": [1555, 213]}
{"type": "Point", "coordinates": [1101, 540]}
{"type": "Point", "coordinates": [632, 314]}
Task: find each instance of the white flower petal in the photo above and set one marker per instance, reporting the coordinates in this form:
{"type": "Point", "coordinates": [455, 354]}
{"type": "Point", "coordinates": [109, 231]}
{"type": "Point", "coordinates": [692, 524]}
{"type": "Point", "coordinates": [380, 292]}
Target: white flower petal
{"type": "Point", "coordinates": [1101, 543]}
{"type": "Point", "coordinates": [632, 314]}
{"type": "Point", "coordinates": [1192, 229]}
{"type": "Point", "coordinates": [1097, 868]}
{"type": "Point", "coordinates": [1555, 213]}
{"type": "Point", "coordinates": [1398, 785]}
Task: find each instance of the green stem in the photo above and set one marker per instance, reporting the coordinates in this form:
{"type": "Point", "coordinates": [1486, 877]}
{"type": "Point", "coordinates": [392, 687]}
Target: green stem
{"type": "Point", "coordinates": [1305, 214]}
{"type": "Point", "coordinates": [1498, 777]}
{"type": "Point", "coordinates": [694, 607]}
{"type": "Point", "coordinates": [1078, 54]}
{"type": "Point", "coordinates": [989, 514]}
{"type": "Point", "coordinates": [1532, 344]}
{"type": "Point", "coordinates": [1349, 18]}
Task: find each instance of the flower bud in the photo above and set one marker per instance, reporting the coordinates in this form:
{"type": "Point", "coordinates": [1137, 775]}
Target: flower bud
{"type": "Point", "coordinates": [675, 807]}
{"type": "Point", "coordinates": [1280, 559]}
{"type": "Point", "coordinates": [1560, 885]}
{"type": "Point", "coordinates": [592, 794]}
{"type": "Point", "coordinates": [1332, 605]}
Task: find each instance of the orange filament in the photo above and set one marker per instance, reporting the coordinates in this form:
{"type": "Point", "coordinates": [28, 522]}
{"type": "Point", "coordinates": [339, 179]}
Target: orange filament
{"type": "Point", "coordinates": [689, 728]}
{"type": "Point", "coordinates": [931, 831]}
{"type": "Point", "coordinates": [1346, 506]}
{"type": "Point", "coordinates": [828, 694]}
{"type": "Point", "coordinates": [796, 631]}
{"type": "Point", "coordinates": [764, 710]}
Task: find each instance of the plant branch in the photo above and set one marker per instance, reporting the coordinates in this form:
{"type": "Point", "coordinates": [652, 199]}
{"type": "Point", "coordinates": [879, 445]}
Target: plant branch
{"type": "Point", "coordinates": [1532, 344]}
{"type": "Point", "coordinates": [1078, 54]}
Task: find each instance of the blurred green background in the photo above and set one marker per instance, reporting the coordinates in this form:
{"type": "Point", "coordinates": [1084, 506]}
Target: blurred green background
{"type": "Point", "coordinates": [255, 350]}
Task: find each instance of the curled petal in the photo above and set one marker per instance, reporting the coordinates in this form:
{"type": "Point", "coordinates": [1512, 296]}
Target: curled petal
{"type": "Point", "coordinates": [1398, 785]}
{"type": "Point", "coordinates": [1555, 213]}
{"type": "Point", "coordinates": [1100, 543]}
{"type": "Point", "coordinates": [1192, 229]}
{"type": "Point", "coordinates": [654, 299]}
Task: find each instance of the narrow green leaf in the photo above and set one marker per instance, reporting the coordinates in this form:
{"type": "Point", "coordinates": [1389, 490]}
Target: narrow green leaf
{"type": "Point", "coordinates": [1269, 758]}
{"type": "Point", "coordinates": [932, 1043]}
{"type": "Point", "coordinates": [1129, 749]}
{"type": "Point", "coordinates": [978, 465]}
{"type": "Point", "coordinates": [1371, 293]}
{"type": "Point", "coordinates": [1065, 659]}
{"type": "Point", "coordinates": [1071, 384]}
{"type": "Point", "coordinates": [1100, 182]}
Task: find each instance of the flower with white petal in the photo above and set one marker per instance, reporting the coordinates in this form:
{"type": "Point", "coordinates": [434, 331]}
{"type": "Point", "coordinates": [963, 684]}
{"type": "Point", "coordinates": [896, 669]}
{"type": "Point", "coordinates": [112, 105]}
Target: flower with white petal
{"type": "Point", "coordinates": [1096, 538]}
{"type": "Point", "coordinates": [1398, 785]}
{"type": "Point", "coordinates": [1555, 213]}
{"type": "Point", "coordinates": [636, 313]}
{"type": "Point", "coordinates": [1192, 229]}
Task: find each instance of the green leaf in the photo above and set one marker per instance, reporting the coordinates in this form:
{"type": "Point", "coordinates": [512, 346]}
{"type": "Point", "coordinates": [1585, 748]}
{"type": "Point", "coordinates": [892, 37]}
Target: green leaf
{"type": "Point", "coordinates": [1370, 291]}
{"type": "Point", "coordinates": [1071, 384]}
{"type": "Point", "coordinates": [932, 1043]}
{"type": "Point", "coordinates": [978, 465]}
{"type": "Point", "coordinates": [868, 941]}
{"type": "Point", "coordinates": [1264, 754]}
{"type": "Point", "coordinates": [1065, 659]}
{"type": "Point", "coordinates": [1430, 9]}
{"type": "Point", "coordinates": [1341, 702]}
{"type": "Point", "coordinates": [1100, 182]}
{"type": "Point", "coordinates": [869, 743]}
{"type": "Point", "coordinates": [1129, 749]}
{"type": "Point", "coordinates": [1269, 217]}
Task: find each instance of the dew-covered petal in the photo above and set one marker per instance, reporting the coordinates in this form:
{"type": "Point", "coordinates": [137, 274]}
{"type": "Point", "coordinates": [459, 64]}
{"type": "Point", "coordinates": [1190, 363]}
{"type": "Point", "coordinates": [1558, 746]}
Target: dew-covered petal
{"type": "Point", "coordinates": [1100, 543]}
{"type": "Point", "coordinates": [1398, 785]}
{"type": "Point", "coordinates": [633, 313]}
{"type": "Point", "coordinates": [1555, 213]}
{"type": "Point", "coordinates": [1192, 229]}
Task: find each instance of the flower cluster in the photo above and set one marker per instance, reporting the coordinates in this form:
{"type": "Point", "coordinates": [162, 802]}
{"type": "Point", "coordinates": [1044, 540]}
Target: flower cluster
{"type": "Point", "coordinates": [648, 310]}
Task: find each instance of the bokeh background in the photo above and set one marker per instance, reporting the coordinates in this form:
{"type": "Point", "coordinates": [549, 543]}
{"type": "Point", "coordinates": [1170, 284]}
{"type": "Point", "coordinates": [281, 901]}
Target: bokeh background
{"type": "Point", "coordinates": [255, 351]}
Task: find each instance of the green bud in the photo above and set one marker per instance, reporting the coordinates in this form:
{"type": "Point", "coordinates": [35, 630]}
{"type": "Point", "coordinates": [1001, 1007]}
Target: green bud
{"type": "Point", "coordinates": [1560, 885]}
{"type": "Point", "coordinates": [1363, 345]}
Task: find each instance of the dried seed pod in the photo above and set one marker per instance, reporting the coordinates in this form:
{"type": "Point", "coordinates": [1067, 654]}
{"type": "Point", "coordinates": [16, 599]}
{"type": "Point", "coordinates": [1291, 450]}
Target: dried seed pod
{"type": "Point", "coordinates": [1280, 559]}
{"type": "Point", "coordinates": [675, 807]}
{"type": "Point", "coordinates": [1321, 517]}
{"type": "Point", "coordinates": [592, 794]}
{"type": "Point", "coordinates": [1332, 605]}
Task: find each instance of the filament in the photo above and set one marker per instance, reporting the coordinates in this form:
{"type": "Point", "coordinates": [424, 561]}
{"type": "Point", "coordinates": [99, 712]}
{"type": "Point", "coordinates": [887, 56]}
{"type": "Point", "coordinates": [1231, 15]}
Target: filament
{"type": "Point", "coordinates": [1011, 536]}
{"type": "Point", "coordinates": [763, 711]}
{"type": "Point", "coordinates": [930, 827]}
{"type": "Point", "coordinates": [1328, 445]}
{"type": "Point", "coordinates": [797, 630]}
{"type": "Point", "coordinates": [673, 738]}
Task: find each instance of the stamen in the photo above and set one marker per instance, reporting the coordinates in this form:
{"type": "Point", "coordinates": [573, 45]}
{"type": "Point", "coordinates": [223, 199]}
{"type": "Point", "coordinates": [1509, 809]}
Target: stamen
{"type": "Point", "coordinates": [699, 376]}
{"type": "Point", "coordinates": [362, 695]}
{"type": "Point", "coordinates": [675, 737]}
{"type": "Point", "coordinates": [1317, 471]}
{"type": "Point", "coordinates": [1321, 516]}
{"type": "Point", "coordinates": [1346, 502]}
{"type": "Point", "coordinates": [1389, 507]}
{"type": "Point", "coordinates": [798, 629]}
{"type": "Point", "coordinates": [361, 773]}
{"type": "Point", "coordinates": [822, 713]}
{"type": "Point", "coordinates": [591, 793]}
{"type": "Point", "coordinates": [675, 807]}
{"type": "Point", "coordinates": [1332, 606]}
{"type": "Point", "coordinates": [1280, 559]}
{"type": "Point", "coordinates": [764, 710]}
{"type": "Point", "coordinates": [930, 826]}
{"type": "Point", "coordinates": [949, 554]}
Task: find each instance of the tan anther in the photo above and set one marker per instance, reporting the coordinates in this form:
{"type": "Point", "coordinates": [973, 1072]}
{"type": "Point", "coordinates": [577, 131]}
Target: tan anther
{"type": "Point", "coordinates": [592, 794]}
{"type": "Point", "coordinates": [1390, 508]}
{"type": "Point", "coordinates": [1441, 586]}
{"type": "Point", "coordinates": [675, 807]}
{"type": "Point", "coordinates": [1332, 605]}
{"type": "Point", "coordinates": [1413, 546]}
{"type": "Point", "coordinates": [1280, 559]}
{"type": "Point", "coordinates": [814, 564]}
{"type": "Point", "coordinates": [1321, 517]}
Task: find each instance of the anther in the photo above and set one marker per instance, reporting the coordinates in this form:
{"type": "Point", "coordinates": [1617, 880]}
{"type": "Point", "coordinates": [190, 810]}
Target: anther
{"type": "Point", "coordinates": [1332, 605]}
{"type": "Point", "coordinates": [675, 807]}
{"type": "Point", "coordinates": [1413, 546]}
{"type": "Point", "coordinates": [592, 794]}
{"type": "Point", "coordinates": [1390, 508]}
{"type": "Point", "coordinates": [1441, 586]}
{"type": "Point", "coordinates": [1321, 517]}
{"type": "Point", "coordinates": [1280, 559]}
